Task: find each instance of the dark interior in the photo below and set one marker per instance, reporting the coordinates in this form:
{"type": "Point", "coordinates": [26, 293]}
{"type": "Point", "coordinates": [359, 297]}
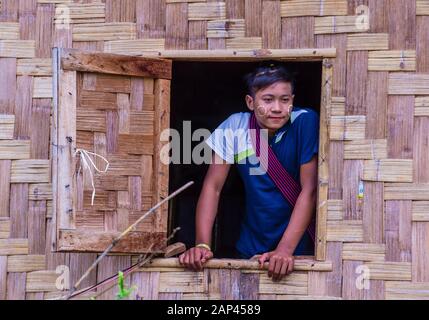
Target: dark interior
{"type": "Point", "coordinates": [206, 93]}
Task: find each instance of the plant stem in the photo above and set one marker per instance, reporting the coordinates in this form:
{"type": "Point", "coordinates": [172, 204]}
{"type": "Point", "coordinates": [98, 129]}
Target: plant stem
{"type": "Point", "coordinates": [123, 234]}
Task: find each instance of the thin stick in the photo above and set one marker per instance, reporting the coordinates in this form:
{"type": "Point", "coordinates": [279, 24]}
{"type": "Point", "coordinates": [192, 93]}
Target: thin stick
{"type": "Point", "coordinates": [142, 260]}
{"type": "Point", "coordinates": [131, 227]}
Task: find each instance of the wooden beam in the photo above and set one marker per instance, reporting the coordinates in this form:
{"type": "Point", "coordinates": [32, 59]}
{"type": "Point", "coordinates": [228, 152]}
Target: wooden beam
{"type": "Point", "coordinates": [245, 54]}
{"type": "Point", "coordinates": [115, 64]}
{"type": "Point", "coordinates": [90, 241]}
{"type": "Point", "coordinates": [162, 122]}
{"type": "Point", "coordinates": [301, 264]}
{"type": "Point", "coordinates": [323, 163]}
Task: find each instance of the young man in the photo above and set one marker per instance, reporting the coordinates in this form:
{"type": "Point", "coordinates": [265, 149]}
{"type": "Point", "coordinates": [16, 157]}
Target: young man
{"type": "Point", "coordinates": [273, 228]}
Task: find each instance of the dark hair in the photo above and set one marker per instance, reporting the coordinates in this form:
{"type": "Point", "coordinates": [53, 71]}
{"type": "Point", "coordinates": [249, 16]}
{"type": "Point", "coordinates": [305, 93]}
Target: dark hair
{"type": "Point", "coordinates": [265, 75]}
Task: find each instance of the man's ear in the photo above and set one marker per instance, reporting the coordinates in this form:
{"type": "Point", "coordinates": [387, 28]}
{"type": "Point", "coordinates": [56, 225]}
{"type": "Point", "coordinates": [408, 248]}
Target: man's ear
{"type": "Point", "coordinates": [249, 102]}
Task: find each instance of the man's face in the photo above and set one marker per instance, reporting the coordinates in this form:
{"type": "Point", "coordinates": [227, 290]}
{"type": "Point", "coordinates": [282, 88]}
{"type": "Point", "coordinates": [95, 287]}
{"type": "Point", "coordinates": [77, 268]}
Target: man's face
{"type": "Point", "coordinates": [272, 105]}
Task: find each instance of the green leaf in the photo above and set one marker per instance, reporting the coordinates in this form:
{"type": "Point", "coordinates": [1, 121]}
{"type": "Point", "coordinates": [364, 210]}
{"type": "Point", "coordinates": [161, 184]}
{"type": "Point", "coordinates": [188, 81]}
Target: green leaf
{"type": "Point", "coordinates": [123, 291]}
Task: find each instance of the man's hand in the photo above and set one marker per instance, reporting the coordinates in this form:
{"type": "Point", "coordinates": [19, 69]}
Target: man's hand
{"type": "Point", "coordinates": [280, 263]}
{"type": "Point", "coordinates": [194, 258]}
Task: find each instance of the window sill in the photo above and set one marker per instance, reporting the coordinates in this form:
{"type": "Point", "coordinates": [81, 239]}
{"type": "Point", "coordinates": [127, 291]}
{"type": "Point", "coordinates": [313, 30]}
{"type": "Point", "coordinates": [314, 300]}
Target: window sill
{"type": "Point", "coordinates": [301, 264]}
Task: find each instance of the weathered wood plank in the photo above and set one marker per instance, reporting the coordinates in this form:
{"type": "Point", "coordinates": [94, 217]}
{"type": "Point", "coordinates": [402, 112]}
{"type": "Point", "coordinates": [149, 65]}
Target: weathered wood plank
{"type": "Point", "coordinates": [416, 83]}
{"type": "Point", "coordinates": [115, 64]}
{"type": "Point", "coordinates": [421, 149]}
{"type": "Point", "coordinates": [18, 48]}
{"type": "Point", "coordinates": [13, 246]}
{"type": "Point", "coordinates": [66, 132]}
{"type": "Point", "coordinates": [368, 41]}
{"type": "Point", "coordinates": [389, 270]}
{"type": "Point", "coordinates": [18, 210]}
{"type": "Point", "coordinates": [31, 171]}
{"type": "Point", "coordinates": [419, 251]}
{"type": "Point", "coordinates": [187, 281]}
{"type": "Point", "coordinates": [295, 283]}
{"type": "Point", "coordinates": [3, 277]}
{"type": "Point", "coordinates": [26, 263]}
{"type": "Point", "coordinates": [397, 231]}
{"type": "Point", "coordinates": [420, 211]}
{"type": "Point", "coordinates": [404, 290]}
{"type": "Point", "coordinates": [40, 67]}
{"type": "Point", "coordinates": [134, 47]}
{"type": "Point", "coordinates": [4, 187]}
{"type": "Point", "coordinates": [135, 242]}
{"type": "Point", "coordinates": [376, 105]}
{"type": "Point", "coordinates": [294, 8]}
{"type": "Point", "coordinates": [206, 11]}
{"type": "Point", "coordinates": [7, 126]}
{"type": "Point", "coordinates": [14, 149]}
{"type": "Point", "coordinates": [392, 60]}
{"type": "Point", "coordinates": [322, 215]}
{"type": "Point", "coordinates": [104, 31]}
{"type": "Point", "coordinates": [338, 24]}
{"type": "Point", "coordinates": [301, 264]}
{"type": "Point", "coordinates": [389, 170]}
{"type": "Point", "coordinates": [347, 127]}
{"type": "Point", "coordinates": [365, 149]}
{"type": "Point", "coordinates": [406, 191]}
{"type": "Point", "coordinates": [346, 231]}
{"type": "Point", "coordinates": [373, 212]}
{"type": "Point", "coordinates": [364, 251]}
{"type": "Point", "coordinates": [4, 228]}
{"type": "Point", "coordinates": [399, 129]}
{"type": "Point", "coordinates": [44, 280]}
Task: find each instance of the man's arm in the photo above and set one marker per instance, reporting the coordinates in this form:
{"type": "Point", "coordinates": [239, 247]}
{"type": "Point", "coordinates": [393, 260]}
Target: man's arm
{"type": "Point", "coordinates": [207, 206]}
{"type": "Point", "coordinates": [281, 260]}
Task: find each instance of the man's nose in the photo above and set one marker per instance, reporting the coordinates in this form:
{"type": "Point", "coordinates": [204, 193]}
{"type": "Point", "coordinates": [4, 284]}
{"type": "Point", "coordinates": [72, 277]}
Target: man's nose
{"type": "Point", "coordinates": [276, 106]}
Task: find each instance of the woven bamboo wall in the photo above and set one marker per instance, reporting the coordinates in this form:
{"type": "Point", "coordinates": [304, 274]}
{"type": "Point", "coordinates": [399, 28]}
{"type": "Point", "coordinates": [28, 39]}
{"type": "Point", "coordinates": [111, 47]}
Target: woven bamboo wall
{"type": "Point", "coordinates": [378, 130]}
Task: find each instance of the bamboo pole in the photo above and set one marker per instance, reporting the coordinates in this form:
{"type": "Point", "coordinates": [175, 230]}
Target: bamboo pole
{"type": "Point", "coordinates": [243, 54]}
{"type": "Point", "coordinates": [299, 265]}
{"type": "Point", "coordinates": [123, 234]}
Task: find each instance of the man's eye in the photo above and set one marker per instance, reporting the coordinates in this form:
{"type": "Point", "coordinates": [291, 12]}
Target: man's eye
{"type": "Point", "coordinates": [267, 100]}
{"type": "Point", "coordinates": [285, 100]}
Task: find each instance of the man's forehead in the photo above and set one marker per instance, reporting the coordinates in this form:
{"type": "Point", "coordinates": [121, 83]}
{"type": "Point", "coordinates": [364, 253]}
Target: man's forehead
{"type": "Point", "coordinates": [273, 95]}
{"type": "Point", "coordinates": [278, 88]}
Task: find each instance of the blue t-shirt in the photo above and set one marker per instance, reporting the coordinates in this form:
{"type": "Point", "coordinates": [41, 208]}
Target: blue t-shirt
{"type": "Point", "coordinates": [267, 211]}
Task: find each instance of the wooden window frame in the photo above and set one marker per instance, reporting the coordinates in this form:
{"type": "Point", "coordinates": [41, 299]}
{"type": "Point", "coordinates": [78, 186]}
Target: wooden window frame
{"type": "Point", "coordinates": [66, 65]}
{"type": "Point", "coordinates": [325, 55]}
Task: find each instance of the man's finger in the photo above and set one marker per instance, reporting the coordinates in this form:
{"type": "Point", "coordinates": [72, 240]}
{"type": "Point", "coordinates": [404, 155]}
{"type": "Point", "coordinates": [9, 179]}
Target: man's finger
{"type": "Point", "coordinates": [271, 265]}
{"type": "Point", "coordinates": [277, 268]}
{"type": "Point", "coordinates": [207, 255]}
{"type": "Point", "coordinates": [192, 259]}
{"type": "Point", "coordinates": [186, 259]}
{"type": "Point", "coordinates": [290, 267]}
{"type": "Point", "coordinates": [283, 270]}
{"type": "Point", "coordinates": [262, 259]}
{"type": "Point", "coordinates": [198, 262]}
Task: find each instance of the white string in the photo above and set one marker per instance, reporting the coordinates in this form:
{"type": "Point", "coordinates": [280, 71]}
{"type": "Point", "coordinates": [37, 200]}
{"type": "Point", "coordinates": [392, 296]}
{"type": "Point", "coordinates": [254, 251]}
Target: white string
{"type": "Point", "coordinates": [89, 164]}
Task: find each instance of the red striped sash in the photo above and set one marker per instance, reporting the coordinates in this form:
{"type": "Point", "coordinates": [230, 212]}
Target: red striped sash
{"type": "Point", "coordinates": [287, 185]}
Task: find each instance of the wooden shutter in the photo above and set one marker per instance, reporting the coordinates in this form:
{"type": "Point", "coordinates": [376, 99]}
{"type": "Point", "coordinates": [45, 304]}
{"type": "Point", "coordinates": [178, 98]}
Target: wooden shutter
{"type": "Point", "coordinates": [115, 106]}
